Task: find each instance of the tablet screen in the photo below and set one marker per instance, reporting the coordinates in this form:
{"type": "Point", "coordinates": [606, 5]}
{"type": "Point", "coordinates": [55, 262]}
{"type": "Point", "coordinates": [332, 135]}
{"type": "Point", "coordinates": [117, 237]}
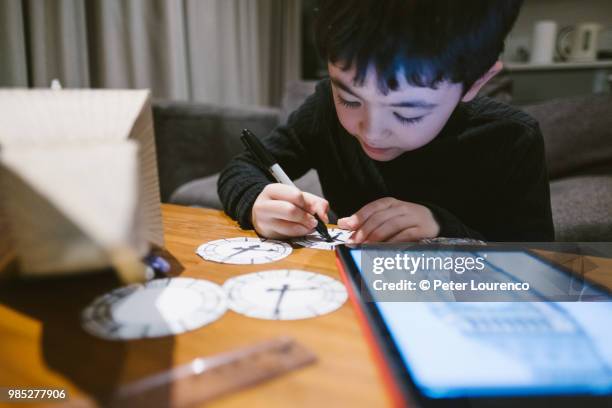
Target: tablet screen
{"type": "Point", "coordinates": [474, 349]}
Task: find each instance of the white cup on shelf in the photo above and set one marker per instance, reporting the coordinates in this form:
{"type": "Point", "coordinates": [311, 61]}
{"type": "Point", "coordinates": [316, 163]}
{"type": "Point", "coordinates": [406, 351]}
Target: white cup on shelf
{"type": "Point", "coordinates": [543, 42]}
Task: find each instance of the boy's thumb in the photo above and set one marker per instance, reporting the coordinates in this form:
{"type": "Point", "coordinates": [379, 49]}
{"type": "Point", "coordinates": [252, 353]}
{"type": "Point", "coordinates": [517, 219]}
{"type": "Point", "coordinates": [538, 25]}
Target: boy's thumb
{"type": "Point", "coordinates": [347, 223]}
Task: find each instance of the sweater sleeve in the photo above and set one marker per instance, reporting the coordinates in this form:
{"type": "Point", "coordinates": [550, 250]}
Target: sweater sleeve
{"type": "Point", "coordinates": [519, 211]}
{"type": "Point", "coordinates": [451, 226]}
{"type": "Point", "coordinates": [522, 210]}
{"type": "Point", "coordinates": [243, 179]}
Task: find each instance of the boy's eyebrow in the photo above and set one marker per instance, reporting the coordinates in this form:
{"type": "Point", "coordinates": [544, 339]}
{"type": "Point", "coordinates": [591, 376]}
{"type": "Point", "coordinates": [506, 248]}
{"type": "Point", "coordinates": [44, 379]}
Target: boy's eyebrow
{"type": "Point", "coordinates": [405, 104]}
{"type": "Point", "coordinates": [343, 86]}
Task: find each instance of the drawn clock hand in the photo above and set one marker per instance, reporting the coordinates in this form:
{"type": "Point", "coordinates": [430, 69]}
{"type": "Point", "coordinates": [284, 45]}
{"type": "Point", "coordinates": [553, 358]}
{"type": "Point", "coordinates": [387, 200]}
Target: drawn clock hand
{"type": "Point", "coordinates": [315, 241]}
{"type": "Point", "coordinates": [293, 289]}
{"type": "Point", "coordinates": [336, 237]}
{"type": "Point", "coordinates": [265, 250]}
{"type": "Point", "coordinates": [240, 251]}
{"type": "Point", "coordinates": [282, 291]}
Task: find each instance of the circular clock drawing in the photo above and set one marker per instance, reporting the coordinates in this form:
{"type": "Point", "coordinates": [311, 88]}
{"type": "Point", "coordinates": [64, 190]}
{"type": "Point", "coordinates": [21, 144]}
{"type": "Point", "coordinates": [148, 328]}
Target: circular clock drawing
{"type": "Point", "coordinates": [244, 250]}
{"type": "Point", "coordinates": [316, 241]}
{"type": "Point", "coordinates": [285, 294]}
{"type": "Point", "coordinates": [156, 308]}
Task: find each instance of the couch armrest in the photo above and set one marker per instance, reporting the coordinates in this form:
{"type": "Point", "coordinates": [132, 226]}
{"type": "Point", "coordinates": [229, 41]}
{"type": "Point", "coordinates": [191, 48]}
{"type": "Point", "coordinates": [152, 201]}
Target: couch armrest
{"type": "Point", "coordinates": [196, 140]}
{"type": "Point", "coordinates": [577, 133]}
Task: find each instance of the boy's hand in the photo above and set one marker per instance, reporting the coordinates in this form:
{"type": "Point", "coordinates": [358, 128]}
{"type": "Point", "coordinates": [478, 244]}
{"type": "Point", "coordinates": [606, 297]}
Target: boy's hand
{"type": "Point", "coordinates": [282, 211]}
{"type": "Point", "coordinates": [390, 220]}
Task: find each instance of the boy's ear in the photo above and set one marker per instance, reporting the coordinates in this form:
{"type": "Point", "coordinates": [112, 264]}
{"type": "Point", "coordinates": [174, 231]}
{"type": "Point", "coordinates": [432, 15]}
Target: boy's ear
{"type": "Point", "coordinates": [473, 91]}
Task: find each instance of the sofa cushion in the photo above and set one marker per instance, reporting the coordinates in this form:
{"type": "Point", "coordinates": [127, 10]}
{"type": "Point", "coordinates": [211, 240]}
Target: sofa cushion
{"type": "Point", "coordinates": [203, 192]}
{"type": "Point", "coordinates": [198, 193]}
{"type": "Point", "coordinates": [577, 132]}
{"type": "Point", "coordinates": [582, 208]}
{"type": "Point", "coordinates": [194, 140]}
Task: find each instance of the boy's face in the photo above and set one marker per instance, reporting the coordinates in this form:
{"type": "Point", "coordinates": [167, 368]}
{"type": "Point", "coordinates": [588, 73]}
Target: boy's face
{"type": "Point", "coordinates": [389, 125]}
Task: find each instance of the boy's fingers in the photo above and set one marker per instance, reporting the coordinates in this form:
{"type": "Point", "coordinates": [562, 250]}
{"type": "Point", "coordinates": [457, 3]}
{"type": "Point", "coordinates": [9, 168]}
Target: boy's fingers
{"type": "Point", "coordinates": [356, 220]}
{"type": "Point", "coordinates": [407, 235]}
{"type": "Point", "coordinates": [286, 229]}
{"type": "Point", "coordinates": [344, 224]}
{"type": "Point", "coordinates": [374, 222]}
{"type": "Point", "coordinates": [382, 225]}
{"type": "Point", "coordinates": [317, 205]}
{"type": "Point", "coordinates": [390, 228]}
{"type": "Point", "coordinates": [284, 192]}
{"type": "Point", "coordinates": [283, 210]}
{"type": "Point", "coordinates": [310, 203]}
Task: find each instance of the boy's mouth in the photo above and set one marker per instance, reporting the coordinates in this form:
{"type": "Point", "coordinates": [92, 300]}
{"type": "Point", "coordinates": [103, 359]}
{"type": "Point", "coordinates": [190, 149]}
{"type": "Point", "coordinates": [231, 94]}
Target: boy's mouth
{"type": "Point", "coordinates": [373, 150]}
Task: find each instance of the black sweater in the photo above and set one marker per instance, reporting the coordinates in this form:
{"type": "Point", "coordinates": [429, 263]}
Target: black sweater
{"type": "Point", "coordinates": [483, 176]}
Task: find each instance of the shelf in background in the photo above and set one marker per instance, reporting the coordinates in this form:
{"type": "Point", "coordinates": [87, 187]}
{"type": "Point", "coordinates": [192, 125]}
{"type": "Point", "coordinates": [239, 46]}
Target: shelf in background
{"type": "Point", "coordinates": [515, 66]}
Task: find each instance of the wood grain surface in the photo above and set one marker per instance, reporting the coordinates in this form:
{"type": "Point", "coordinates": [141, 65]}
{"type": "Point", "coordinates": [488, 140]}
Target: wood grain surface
{"type": "Point", "coordinates": [43, 345]}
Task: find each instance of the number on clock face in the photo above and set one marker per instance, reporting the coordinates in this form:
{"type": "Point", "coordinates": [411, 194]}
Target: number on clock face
{"type": "Point", "coordinates": [244, 250]}
{"type": "Point", "coordinates": [285, 294]}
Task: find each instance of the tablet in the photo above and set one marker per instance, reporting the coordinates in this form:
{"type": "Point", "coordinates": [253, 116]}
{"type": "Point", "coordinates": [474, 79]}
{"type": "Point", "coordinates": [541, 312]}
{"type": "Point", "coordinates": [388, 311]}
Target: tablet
{"type": "Point", "coordinates": [444, 352]}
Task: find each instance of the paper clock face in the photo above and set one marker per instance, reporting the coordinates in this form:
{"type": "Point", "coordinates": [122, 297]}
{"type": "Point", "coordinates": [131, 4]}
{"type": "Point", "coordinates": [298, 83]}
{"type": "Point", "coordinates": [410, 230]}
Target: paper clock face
{"type": "Point", "coordinates": [316, 241]}
{"type": "Point", "coordinates": [244, 251]}
{"type": "Point", "coordinates": [285, 294]}
{"type": "Point", "coordinates": [156, 308]}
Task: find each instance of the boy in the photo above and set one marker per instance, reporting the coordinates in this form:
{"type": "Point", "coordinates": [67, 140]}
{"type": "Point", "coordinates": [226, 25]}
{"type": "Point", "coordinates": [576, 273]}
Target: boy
{"type": "Point", "coordinates": [403, 148]}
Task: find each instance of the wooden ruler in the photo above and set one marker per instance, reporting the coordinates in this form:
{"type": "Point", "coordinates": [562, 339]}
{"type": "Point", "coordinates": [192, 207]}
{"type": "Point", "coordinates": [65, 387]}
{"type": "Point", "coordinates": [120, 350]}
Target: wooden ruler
{"type": "Point", "coordinates": [209, 377]}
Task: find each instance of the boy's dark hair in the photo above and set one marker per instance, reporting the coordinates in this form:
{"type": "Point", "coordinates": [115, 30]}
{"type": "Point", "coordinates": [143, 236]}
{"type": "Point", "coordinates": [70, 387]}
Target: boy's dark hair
{"type": "Point", "coordinates": [431, 40]}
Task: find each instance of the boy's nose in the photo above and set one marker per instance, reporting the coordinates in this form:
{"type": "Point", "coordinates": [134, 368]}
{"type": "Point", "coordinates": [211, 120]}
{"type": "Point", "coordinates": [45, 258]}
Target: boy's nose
{"type": "Point", "coordinates": [373, 137]}
{"type": "Point", "coordinates": [372, 129]}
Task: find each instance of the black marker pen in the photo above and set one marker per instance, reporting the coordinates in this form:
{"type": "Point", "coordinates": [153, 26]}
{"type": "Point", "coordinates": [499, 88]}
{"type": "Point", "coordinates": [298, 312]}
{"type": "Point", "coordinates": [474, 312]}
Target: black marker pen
{"type": "Point", "coordinates": [265, 158]}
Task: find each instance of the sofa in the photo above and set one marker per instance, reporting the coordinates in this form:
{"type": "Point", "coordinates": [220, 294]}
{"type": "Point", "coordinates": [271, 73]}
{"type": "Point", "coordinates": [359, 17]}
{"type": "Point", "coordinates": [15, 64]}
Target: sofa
{"type": "Point", "coordinates": [195, 141]}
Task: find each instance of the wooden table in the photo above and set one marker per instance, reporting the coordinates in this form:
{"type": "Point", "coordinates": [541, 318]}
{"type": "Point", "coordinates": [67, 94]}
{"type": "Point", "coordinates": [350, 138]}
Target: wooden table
{"type": "Point", "coordinates": [43, 345]}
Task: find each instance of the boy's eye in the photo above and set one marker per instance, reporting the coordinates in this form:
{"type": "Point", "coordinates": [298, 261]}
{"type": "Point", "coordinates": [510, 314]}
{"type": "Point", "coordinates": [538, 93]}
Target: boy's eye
{"type": "Point", "coordinates": [348, 104]}
{"type": "Point", "coordinates": [407, 121]}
